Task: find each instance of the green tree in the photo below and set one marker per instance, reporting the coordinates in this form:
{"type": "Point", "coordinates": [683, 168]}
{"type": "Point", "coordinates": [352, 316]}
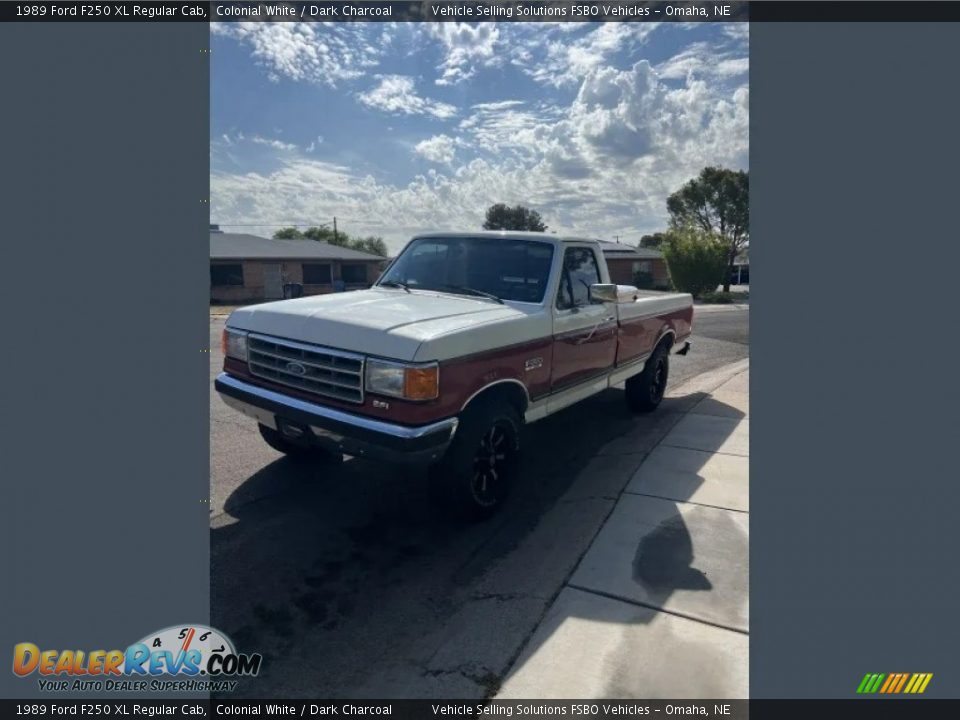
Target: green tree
{"type": "Point", "coordinates": [696, 259]}
{"type": "Point", "coordinates": [288, 233]}
{"type": "Point", "coordinates": [326, 234]}
{"type": "Point", "coordinates": [717, 201]}
{"type": "Point", "coordinates": [504, 217]}
{"type": "Point", "coordinates": [653, 241]}
{"type": "Point", "coordinates": [372, 244]}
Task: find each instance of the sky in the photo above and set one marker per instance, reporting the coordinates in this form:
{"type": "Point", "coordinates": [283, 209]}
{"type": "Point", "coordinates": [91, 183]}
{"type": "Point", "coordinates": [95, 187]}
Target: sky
{"type": "Point", "coordinates": [409, 127]}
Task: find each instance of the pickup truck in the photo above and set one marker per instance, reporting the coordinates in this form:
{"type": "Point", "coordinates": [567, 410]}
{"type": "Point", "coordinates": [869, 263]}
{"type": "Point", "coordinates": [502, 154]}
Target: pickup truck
{"type": "Point", "coordinates": [464, 339]}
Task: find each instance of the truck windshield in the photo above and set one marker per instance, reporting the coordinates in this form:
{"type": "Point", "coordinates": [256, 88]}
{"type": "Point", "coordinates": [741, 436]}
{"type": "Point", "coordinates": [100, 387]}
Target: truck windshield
{"type": "Point", "coordinates": [506, 269]}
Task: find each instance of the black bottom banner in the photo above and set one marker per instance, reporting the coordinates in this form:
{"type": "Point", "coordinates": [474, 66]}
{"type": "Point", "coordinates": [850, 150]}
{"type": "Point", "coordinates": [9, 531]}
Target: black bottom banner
{"type": "Point", "coordinates": [417, 709]}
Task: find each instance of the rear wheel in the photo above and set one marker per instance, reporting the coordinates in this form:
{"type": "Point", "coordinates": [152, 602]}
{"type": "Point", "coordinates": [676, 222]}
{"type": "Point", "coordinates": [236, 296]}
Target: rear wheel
{"type": "Point", "coordinates": [482, 463]}
{"type": "Point", "coordinates": [296, 450]}
{"type": "Point", "coordinates": [645, 391]}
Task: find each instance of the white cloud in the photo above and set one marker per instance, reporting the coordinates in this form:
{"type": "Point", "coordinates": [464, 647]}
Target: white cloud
{"type": "Point", "coordinates": [439, 149]}
{"type": "Point", "coordinates": [737, 30]}
{"type": "Point", "coordinates": [274, 143]}
{"type": "Point", "coordinates": [600, 163]}
{"type": "Point", "coordinates": [604, 165]}
{"type": "Point", "coordinates": [467, 46]}
{"type": "Point", "coordinates": [566, 63]}
{"type": "Point", "coordinates": [327, 53]}
{"type": "Point", "coordinates": [499, 105]}
{"type": "Point", "coordinates": [396, 94]}
{"type": "Point", "coordinates": [509, 125]}
{"type": "Point", "coordinates": [703, 60]}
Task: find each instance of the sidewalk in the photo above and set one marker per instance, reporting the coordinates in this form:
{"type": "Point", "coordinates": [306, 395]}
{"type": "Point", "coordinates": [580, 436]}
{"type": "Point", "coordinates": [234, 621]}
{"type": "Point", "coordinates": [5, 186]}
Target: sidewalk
{"type": "Point", "coordinates": [657, 607]}
{"type": "Point", "coordinates": [717, 307]}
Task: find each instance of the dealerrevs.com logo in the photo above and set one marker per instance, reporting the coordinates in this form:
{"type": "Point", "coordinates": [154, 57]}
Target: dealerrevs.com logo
{"type": "Point", "coordinates": [177, 658]}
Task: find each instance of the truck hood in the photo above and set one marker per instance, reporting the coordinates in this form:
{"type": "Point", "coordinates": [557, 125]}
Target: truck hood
{"type": "Point", "coordinates": [385, 322]}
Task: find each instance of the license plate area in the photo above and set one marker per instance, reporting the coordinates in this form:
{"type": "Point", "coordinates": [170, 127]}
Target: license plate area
{"type": "Point", "coordinates": [293, 431]}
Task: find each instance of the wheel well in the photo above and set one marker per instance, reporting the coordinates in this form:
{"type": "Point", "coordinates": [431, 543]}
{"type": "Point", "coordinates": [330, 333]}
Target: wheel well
{"type": "Point", "coordinates": [667, 338]}
{"type": "Point", "coordinates": [510, 391]}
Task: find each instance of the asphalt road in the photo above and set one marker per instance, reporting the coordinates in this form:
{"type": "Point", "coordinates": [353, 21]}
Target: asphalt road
{"type": "Point", "coordinates": [352, 583]}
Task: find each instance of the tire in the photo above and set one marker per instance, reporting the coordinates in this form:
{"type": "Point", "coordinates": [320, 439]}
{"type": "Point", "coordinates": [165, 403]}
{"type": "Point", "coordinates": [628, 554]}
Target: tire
{"type": "Point", "coordinates": [644, 392]}
{"type": "Point", "coordinates": [476, 473]}
{"type": "Point", "coordinates": [295, 450]}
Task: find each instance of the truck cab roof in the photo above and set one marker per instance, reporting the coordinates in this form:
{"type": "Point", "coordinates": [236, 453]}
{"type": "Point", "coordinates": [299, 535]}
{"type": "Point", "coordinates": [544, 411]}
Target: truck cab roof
{"type": "Point", "coordinates": [508, 235]}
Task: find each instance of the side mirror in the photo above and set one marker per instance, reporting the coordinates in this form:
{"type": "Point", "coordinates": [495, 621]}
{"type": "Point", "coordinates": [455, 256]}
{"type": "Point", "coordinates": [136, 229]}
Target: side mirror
{"type": "Point", "coordinates": [604, 292]}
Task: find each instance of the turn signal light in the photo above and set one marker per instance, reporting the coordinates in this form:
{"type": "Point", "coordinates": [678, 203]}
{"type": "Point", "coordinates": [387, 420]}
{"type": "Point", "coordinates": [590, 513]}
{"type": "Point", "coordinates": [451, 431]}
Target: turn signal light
{"type": "Point", "coordinates": [421, 383]}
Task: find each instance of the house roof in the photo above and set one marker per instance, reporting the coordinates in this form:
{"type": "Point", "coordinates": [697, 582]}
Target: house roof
{"type": "Point", "coordinates": [236, 246]}
{"type": "Point", "coordinates": [616, 250]}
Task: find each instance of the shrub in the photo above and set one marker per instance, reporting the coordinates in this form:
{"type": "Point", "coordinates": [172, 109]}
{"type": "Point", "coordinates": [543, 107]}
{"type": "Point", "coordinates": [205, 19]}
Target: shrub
{"type": "Point", "coordinates": [695, 259]}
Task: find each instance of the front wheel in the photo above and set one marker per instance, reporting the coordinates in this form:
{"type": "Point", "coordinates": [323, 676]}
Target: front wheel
{"type": "Point", "coordinates": [645, 391]}
{"type": "Point", "coordinates": [483, 461]}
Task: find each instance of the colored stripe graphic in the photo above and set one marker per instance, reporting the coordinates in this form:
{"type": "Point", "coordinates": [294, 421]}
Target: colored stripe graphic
{"type": "Point", "coordinates": [903, 680]}
{"type": "Point", "coordinates": [894, 683]}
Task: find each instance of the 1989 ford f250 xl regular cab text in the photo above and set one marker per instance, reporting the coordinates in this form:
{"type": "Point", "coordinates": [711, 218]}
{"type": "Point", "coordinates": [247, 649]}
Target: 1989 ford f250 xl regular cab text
{"type": "Point", "coordinates": [464, 339]}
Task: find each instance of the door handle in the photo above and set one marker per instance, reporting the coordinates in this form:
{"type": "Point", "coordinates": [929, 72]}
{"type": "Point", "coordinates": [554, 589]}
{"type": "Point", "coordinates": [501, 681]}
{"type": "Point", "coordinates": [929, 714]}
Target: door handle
{"type": "Point", "coordinates": [593, 331]}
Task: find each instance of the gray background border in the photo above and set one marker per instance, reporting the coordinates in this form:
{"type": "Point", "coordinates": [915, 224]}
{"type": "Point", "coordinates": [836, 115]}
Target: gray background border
{"type": "Point", "coordinates": [854, 154]}
{"type": "Point", "coordinates": [105, 429]}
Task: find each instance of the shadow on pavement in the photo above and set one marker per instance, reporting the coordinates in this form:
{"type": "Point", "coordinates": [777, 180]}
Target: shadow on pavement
{"type": "Point", "coordinates": [353, 570]}
{"type": "Point", "coordinates": [681, 547]}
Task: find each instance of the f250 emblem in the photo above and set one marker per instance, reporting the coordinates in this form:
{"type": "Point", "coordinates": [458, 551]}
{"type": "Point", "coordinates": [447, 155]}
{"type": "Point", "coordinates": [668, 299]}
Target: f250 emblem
{"type": "Point", "coordinates": [533, 364]}
{"type": "Point", "coordinates": [296, 368]}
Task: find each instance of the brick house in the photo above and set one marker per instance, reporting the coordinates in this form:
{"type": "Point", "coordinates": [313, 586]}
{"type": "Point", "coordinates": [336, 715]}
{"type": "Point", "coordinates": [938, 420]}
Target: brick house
{"type": "Point", "coordinates": [625, 261]}
{"type": "Point", "coordinates": [247, 268]}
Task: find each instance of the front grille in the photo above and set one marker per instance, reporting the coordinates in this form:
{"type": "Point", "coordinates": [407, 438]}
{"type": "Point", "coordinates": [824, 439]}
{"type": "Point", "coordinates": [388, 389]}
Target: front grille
{"type": "Point", "coordinates": [331, 373]}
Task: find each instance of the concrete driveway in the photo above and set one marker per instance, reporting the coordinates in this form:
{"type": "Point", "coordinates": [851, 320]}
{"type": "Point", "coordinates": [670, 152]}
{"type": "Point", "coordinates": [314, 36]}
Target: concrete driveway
{"type": "Point", "coordinates": [353, 585]}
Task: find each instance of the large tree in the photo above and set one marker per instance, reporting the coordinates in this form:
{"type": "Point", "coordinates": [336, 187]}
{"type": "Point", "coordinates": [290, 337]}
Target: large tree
{"type": "Point", "coordinates": [373, 245]}
{"type": "Point", "coordinates": [717, 201]}
{"type": "Point", "coordinates": [504, 217]}
{"type": "Point", "coordinates": [325, 234]}
{"type": "Point", "coordinates": [653, 241]}
{"type": "Point", "coordinates": [288, 233]}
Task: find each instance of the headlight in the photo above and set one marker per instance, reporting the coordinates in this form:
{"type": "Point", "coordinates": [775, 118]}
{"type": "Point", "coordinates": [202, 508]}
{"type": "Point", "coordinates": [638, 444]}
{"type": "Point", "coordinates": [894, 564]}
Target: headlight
{"type": "Point", "coordinates": [410, 382]}
{"type": "Point", "coordinates": [234, 344]}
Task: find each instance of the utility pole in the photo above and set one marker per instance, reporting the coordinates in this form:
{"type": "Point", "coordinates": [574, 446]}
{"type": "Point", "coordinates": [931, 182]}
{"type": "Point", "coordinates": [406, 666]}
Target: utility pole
{"type": "Point", "coordinates": [335, 242]}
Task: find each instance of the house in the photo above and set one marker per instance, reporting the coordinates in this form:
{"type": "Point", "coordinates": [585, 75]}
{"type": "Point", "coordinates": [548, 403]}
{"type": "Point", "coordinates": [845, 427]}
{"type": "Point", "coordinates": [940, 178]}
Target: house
{"type": "Point", "coordinates": [626, 262]}
{"type": "Point", "coordinates": [741, 268]}
{"type": "Point", "coordinates": [248, 268]}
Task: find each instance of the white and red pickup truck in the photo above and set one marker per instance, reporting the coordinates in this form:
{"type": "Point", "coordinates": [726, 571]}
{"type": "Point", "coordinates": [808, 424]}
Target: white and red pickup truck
{"type": "Point", "coordinates": [464, 339]}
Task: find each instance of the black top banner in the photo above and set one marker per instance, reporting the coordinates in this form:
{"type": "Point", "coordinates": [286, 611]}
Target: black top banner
{"type": "Point", "coordinates": [480, 11]}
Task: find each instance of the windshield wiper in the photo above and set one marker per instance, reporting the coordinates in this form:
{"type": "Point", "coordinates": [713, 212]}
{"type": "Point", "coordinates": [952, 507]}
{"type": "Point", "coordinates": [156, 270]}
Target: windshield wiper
{"type": "Point", "coordinates": [471, 291]}
{"type": "Point", "coordinates": [395, 283]}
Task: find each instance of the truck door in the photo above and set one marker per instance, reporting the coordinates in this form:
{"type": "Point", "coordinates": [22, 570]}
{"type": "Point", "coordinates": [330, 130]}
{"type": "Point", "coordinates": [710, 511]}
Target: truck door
{"type": "Point", "coordinates": [584, 329]}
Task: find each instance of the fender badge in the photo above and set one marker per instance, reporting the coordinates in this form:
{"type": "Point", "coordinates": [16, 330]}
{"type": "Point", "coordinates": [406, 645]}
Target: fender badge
{"type": "Point", "coordinates": [533, 364]}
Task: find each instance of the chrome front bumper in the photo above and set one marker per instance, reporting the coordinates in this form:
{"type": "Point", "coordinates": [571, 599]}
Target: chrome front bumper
{"type": "Point", "coordinates": [341, 431]}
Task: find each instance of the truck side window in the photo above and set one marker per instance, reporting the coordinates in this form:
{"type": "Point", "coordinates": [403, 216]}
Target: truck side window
{"type": "Point", "coordinates": [580, 271]}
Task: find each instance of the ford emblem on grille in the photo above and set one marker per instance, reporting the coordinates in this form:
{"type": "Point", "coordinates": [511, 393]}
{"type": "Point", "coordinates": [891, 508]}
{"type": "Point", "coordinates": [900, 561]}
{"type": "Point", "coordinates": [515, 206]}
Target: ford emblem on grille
{"type": "Point", "coordinates": [296, 368]}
